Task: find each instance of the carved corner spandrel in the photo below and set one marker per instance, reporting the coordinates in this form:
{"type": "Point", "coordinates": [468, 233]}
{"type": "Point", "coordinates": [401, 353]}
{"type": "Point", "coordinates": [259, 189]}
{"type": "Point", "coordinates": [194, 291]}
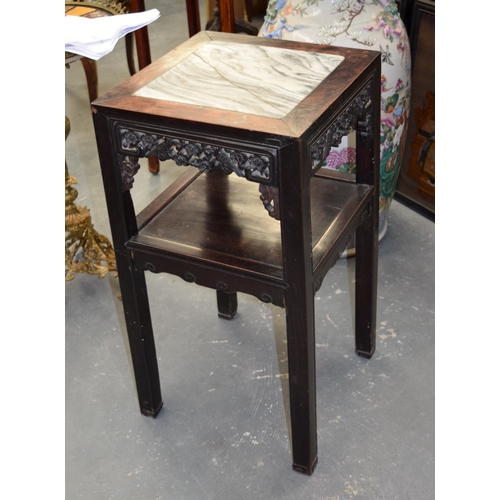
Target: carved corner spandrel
{"type": "Point", "coordinates": [270, 199]}
{"type": "Point", "coordinates": [129, 167]}
{"type": "Point", "coordinates": [356, 116]}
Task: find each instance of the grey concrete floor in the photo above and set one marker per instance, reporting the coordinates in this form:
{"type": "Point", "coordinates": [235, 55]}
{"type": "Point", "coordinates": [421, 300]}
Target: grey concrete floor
{"type": "Point", "coordinates": [223, 432]}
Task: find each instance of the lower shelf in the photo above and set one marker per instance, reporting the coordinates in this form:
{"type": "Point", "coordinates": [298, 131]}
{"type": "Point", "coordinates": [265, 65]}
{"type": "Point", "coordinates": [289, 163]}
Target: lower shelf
{"type": "Point", "coordinates": [218, 221]}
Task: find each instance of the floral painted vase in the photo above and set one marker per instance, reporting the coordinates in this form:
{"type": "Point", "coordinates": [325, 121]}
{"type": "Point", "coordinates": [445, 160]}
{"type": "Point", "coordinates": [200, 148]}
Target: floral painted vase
{"type": "Point", "coordinates": [365, 24]}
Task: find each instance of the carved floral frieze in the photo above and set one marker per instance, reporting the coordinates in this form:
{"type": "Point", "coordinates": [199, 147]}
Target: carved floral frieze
{"type": "Point", "coordinates": [255, 167]}
{"type": "Point", "coordinates": [205, 157]}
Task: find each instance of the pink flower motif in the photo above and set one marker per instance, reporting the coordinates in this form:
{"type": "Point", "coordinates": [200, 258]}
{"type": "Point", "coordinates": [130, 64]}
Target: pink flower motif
{"type": "Point", "coordinates": [388, 121]}
{"type": "Point", "coordinates": [337, 158]}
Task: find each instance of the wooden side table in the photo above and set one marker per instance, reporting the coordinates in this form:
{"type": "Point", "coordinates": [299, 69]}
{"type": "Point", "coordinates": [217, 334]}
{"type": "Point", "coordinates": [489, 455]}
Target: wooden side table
{"type": "Point", "coordinates": [268, 112]}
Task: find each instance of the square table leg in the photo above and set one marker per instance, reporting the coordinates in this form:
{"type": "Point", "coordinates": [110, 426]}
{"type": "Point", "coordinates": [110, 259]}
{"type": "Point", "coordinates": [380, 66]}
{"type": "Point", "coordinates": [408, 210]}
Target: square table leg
{"type": "Point", "coordinates": [299, 304]}
{"type": "Point", "coordinates": [227, 304]}
{"type": "Point", "coordinates": [368, 172]}
{"type": "Point", "coordinates": [132, 280]}
{"type": "Point", "coordinates": [140, 336]}
{"type": "Point", "coordinates": [366, 284]}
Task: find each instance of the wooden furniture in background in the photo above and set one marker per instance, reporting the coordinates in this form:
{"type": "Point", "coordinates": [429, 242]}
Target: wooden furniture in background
{"type": "Point", "coordinates": [193, 15]}
{"type": "Point", "coordinates": [101, 8]}
{"type": "Point", "coordinates": [224, 19]}
{"type": "Point", "coordinates": [141, 36]}
{"type": "Point", "coordinates": [275, 227]}
{"type": "Point", "coordinates": [416, 184]}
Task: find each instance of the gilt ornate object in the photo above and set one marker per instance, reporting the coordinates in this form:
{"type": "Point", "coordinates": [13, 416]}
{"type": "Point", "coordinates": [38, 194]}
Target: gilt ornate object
{"type": "Point", "coordinates": [86, 251]}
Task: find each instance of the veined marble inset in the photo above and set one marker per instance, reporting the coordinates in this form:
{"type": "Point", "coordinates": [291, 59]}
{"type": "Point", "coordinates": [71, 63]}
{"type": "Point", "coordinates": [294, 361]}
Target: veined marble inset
{"type": "Point", "coordinates": [264, 81]}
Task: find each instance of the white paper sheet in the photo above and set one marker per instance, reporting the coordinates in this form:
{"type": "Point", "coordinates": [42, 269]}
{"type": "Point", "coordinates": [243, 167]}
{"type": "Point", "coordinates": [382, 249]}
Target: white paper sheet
{"type": "Point", "coordinates": [96, 37]}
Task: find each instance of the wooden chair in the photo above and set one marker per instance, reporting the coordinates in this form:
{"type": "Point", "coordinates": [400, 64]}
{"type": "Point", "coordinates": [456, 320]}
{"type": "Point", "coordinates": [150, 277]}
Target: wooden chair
{"type": "Point", "coordinates": [101, 8]}
{"type": "Point", "coordinates": [224, 19]}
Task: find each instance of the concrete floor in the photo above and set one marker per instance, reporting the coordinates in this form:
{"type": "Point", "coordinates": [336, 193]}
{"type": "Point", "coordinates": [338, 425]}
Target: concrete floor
{"type": "Point", "coordinates": [223, 432]}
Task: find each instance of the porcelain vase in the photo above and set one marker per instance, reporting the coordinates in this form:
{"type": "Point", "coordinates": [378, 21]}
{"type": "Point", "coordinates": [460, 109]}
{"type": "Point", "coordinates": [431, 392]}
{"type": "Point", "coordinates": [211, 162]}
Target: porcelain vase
{"type": "Point", "coordinates": [369, 24]}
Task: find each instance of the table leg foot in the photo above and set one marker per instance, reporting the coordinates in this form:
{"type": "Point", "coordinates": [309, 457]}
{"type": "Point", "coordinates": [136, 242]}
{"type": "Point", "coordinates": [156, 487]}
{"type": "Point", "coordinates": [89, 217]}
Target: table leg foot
{"type": "Point", "coordinates": [306, 470]}
{"type": "Point", "coordinates": [363, 354]}
{"type": "Point", "coordinates": [149, 413]}
{"type": "Point", "coordinates": [227, 304]}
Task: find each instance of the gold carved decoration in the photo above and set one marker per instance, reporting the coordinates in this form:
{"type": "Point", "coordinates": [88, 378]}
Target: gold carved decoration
{"type": "Point", "coordinates": [86, 251]}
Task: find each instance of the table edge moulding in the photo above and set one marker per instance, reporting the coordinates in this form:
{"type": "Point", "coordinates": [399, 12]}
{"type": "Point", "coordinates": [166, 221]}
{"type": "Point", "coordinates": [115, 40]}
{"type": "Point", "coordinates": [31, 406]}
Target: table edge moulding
{"type": "Point", "coordinates": [272, 230]}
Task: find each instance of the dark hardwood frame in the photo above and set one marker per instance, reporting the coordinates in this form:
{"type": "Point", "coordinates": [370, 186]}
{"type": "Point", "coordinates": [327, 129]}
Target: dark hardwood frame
{"type": "Point", "coordinates": [411, 14]}
{"type": "Point", "coordinates": [193, 15]}
{"type": "Point", "coordinates": [285, 258]}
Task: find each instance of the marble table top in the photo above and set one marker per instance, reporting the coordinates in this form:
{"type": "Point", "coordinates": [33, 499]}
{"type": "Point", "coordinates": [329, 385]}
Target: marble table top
{"type": "Point", "coordinates": [259, 80]}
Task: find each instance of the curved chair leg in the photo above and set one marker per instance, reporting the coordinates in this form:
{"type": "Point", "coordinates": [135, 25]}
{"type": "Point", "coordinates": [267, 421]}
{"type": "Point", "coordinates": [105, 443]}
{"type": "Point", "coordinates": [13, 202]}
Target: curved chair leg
{"type": "Point", "coordinates": [129, 45]}
{"type": "Point", "coordinates": [193, 14]}
{"type": "Point", "coordinates": [90, 68]}
{"type": "Point", "coordinates": [153, 164]}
